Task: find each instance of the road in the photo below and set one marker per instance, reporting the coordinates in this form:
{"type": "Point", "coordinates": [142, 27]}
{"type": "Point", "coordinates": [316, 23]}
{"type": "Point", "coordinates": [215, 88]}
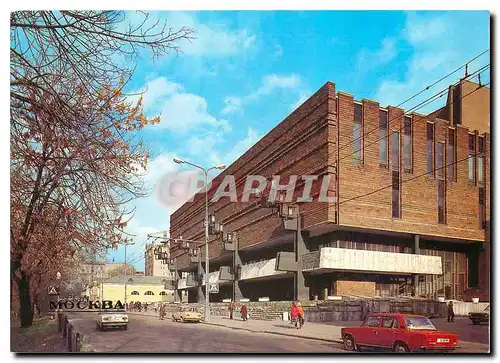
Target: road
{"type": "Point", "coordinates": [147, 334]}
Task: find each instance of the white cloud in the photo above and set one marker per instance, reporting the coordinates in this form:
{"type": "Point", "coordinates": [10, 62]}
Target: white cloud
{"type": "Point", "coordinates": [239, 148]}
{"type": "Point", "coordinates": [269, 84]}
{"type": "Point", "coordinates": [302, 98]}
{"type": "Point", "coordinates": [232, 104]}
{"type": "Point", "coordinates": [180, 111]}
{"type": "Point", "coordinates": [436, 45]}
{"type": "Point", "coordinates": [211, 39]}
{"type": "Point", "coordinates": [367, 60]}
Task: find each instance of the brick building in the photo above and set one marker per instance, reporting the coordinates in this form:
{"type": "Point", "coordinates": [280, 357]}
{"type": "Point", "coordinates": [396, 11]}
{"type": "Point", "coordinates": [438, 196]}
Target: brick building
{"type": "Point", "coordinates": [412, 209]}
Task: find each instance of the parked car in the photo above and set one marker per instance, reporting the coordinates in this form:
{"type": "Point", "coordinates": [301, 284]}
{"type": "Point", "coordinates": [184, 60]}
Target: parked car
{"type": "Point", "coordinates": [480, 317]}
{"type": "Point", "coordinates": [187, 315]}
{"type": "Point", "coordinates": [112, 319]}
{"type": "Point", "coordinates": [399, 333]}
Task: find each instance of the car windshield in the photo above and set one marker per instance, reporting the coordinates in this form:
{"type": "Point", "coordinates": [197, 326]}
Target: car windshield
{"type": "Point", "coordinates": [419, 323]}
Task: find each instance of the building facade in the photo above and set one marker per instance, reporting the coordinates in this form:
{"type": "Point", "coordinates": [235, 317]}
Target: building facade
{"type": "Point", "coordinates": [410, 216]}
{"type": "Point", "coordinates": [152, 265]}
{"type": "Point", "coordinates": [144, 289]}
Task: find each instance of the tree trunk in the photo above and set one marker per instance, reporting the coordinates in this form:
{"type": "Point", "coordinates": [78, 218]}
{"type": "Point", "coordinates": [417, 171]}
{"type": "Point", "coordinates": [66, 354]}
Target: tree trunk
{"type": "Point", "coordinates": [25, 307]}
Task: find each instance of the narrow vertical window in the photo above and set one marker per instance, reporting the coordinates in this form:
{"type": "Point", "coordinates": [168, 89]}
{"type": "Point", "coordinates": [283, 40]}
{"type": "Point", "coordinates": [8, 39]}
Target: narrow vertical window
{"type": "Point", "coordinates": [407, 145]}
{"type": "Point", "coordinates": [440, 169]}
{"type": "Point", "coordinates": [383, 127]}
{"type": "Point", "coordinates": [440, 166]}
{"type": "Point", "coordinates": [457, 103]}
{"type": "Point", "coordinates": [441, 202]}
{"type": "Point", "coordinates": [395, 150]}
{"type": "Point", "coordinates": [396, 190]}
{"type": "Point", "coordinates": [451, 155]}
{"type": "Point", "coordinates": [482, 208]}
{"type": "Point", "coordinates": [470, 161]}
{"type": "Point", "coordinates": [358, 132]}
{"type": "Point", "coordinates": [430, 149]}
{"type": "Point", "coordinates": [480, 160]}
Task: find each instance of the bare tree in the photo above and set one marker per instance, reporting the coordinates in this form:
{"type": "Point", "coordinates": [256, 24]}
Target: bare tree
{"type": "Point", "coordinates": [76, 156]}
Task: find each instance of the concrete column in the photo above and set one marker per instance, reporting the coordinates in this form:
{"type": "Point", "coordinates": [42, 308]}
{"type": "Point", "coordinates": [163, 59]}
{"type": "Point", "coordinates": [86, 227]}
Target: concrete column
{"type": "Point", "coordinates": [177, 292]}
{"type": "Point", "coordinates": [301, 239]}
{"type": "Point", "coordinates": [237, 294]}
{"type": "Point", "coordinates": [416, 250]}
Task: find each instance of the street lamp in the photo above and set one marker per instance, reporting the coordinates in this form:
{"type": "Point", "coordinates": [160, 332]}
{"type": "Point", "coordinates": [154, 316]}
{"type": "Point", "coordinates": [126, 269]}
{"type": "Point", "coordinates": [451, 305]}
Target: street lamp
{"type": "Point", "coordinates": [207, 263]}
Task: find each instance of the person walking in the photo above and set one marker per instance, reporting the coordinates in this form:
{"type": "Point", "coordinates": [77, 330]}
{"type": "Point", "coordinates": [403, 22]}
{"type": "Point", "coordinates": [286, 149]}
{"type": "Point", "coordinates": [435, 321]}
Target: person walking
{"type": "Point", "coordinates": [232, 306]}
{"type": "Point", "coordinates": [244, 312]}
{"type": "Point", "coordinates": [162, 311]}
{"type": "Point", "coordinates": [451, 313]}
{"type": "Point", "coordinates": [301, 315]}
{"type": "Point", "coordinates": [294, 314]}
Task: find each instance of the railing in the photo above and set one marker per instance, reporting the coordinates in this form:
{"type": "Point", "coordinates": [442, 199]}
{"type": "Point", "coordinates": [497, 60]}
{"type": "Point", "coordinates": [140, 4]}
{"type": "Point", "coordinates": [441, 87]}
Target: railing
{"type": "Point", "coordinates": [73, 339]}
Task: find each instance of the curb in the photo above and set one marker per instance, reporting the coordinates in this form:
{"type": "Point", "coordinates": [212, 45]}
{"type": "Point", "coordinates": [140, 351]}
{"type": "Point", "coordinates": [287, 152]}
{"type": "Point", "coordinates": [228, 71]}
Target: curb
{"type": "Point", "coordinates": [277, 333]}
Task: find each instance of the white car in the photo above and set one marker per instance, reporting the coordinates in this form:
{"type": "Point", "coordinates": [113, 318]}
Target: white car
{"type": "Point", "coordinates": [112, 319]}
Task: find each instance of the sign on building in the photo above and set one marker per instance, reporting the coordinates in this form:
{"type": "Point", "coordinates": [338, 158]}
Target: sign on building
{"type": "Point", "coordinates": [213, 288]}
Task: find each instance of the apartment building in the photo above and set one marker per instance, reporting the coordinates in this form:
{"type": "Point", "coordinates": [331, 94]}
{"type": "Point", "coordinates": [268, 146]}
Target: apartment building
{"type": "Point", "coordinates": [152, 265]}
{"type": "Point", "coordinates": [411, 215]}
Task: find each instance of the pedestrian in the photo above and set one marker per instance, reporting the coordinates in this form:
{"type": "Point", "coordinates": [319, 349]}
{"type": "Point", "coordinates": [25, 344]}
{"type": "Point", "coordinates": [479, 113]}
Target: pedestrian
{"type": "Point", "coordinates": [294, 314]}
{"type": "Point", "coordinates": [244, 312]}
{"type": "Point", "coordinates": [162, 311]}
{"type": "Point", "coordinates": [232, 306]}
{"type": "Point", "coordinates": [451, 313]}
{"type": "Point", "coordinates": [301, 315]}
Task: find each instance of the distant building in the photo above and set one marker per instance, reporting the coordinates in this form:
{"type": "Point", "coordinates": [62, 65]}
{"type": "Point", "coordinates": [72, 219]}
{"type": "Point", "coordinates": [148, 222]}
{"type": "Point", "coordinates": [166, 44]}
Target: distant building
{"type": "Point", "coordinates": [153, 266]}
{"type": "Point", "coordinates": [138, 288]}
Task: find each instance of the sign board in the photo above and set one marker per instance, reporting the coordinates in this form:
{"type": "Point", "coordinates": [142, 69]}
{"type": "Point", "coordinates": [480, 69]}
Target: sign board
{"type": "Point", "coordinates": [213, 288]}
{"type": "Point", "coordinates": [52, 291]}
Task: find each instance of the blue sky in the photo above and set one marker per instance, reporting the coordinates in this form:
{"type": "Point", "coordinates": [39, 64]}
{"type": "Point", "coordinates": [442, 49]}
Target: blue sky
{"type": "Point", "coordinates": [246, 71]}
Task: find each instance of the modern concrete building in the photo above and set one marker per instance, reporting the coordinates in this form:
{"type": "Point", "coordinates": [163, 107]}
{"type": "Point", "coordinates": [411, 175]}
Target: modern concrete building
{"type": "Point", "coordinates": [410, 217]}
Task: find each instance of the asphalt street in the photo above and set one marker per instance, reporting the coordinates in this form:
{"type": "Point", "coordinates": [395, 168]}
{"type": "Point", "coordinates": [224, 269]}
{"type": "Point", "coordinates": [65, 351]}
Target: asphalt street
{"type": "Point", "coordinates": [150, 335]}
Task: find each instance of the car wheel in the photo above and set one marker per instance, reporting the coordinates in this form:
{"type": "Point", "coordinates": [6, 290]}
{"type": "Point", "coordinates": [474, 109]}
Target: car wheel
{"type": "Point", "coordinates": [401, 348]}
{"type": "Point", "coordinates": [349, 343]}
{"type": "Point", "coordinates": [125, 327]}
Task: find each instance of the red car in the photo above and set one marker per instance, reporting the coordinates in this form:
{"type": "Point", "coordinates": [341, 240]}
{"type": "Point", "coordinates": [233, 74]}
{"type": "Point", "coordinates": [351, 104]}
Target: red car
{"type": "Point", "coordinates": [400, 333]}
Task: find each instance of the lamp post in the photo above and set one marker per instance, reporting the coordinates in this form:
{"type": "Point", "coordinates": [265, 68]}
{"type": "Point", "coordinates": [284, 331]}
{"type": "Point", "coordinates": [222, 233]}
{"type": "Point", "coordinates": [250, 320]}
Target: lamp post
{"type": "Point", "coordinates": [126, 243]}
{"type": "Point", "coordinates": [207, 263]}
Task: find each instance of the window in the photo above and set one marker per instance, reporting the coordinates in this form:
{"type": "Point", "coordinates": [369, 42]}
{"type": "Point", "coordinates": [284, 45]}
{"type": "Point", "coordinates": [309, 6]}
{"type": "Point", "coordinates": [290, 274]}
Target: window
{"type": "Point", "coordinates": [407, 145]}
{"type": "Point", "coordinates": [372, 322]}
{"type": "Point", "coordinates": [470, 160]}
{"type": "Point", "coordinates": [395, 175]}
{"type": "Point", "coordinates": [134, 293]}
{"type": "Point", "coordinates": [358, 132]}
{"type": "Point", "coordinates": [430, 149]}
{"type": "Point", "coordinates": [441, 202]}
{"type": "Point", "coordinates": [457, 98]}
{"type": "Point", "coordinates": [440, 160]}
{"type": "Point", "coordinates": [149, 292]}
{"type": "Point", "coordinates": [383, 126]}
{"type": "Point", "coordinates": [387, 322]}
{"type": "Point", "coordinates": [452, 166]}
{"type": "Point", "coordinates": [480, 160]}
{"type": "Point", "coordinates": [163, 293]}
{"type": "Point", "coordinates": [482, 208]}
{"type": "Point", "coordinates": [395, 195]}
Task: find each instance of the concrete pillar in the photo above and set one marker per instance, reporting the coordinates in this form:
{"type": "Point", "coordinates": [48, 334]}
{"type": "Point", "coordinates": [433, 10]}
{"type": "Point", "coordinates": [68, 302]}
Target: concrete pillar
{"type": "Point", "coordinates": [416, 250]}
{"type": "Point", "coordinates": [177, 292]}
{"type": "Point", "coordinates": [301, 239]}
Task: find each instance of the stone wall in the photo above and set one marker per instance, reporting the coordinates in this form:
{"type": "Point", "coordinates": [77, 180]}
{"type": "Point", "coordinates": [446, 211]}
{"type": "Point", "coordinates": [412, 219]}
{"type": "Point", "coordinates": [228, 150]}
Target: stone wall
{"type": "Point", "coordinates": [324, 311]}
